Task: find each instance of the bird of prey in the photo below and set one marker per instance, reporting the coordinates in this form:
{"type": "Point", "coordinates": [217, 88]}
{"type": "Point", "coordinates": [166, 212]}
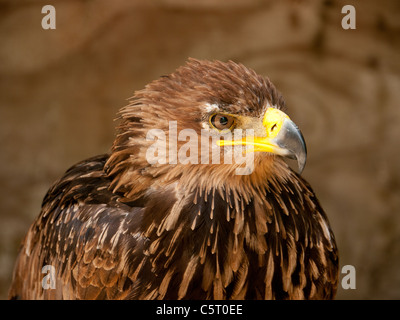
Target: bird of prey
{"type": "Point", "coordinates": [143, 222]}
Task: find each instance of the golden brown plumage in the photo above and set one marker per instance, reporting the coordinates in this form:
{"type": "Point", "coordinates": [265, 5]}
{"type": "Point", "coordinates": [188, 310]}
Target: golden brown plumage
{"type": "Point", "coordinates": [118, 227]}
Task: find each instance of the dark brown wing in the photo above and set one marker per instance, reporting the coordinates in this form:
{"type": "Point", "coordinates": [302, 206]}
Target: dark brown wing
{"type": "Point", "coordinates": [86, 235]}
{"type": "Point", "coordinates": [191, 244]}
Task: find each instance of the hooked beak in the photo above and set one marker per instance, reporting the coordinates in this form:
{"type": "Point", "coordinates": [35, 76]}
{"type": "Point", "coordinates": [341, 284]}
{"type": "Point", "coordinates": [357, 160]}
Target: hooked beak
{"type": "Point", "coordinates": [282, 137]}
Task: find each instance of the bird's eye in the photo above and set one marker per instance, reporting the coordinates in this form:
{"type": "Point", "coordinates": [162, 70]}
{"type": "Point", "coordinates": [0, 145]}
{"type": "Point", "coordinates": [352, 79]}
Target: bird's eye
{"type": "Point", "coordinates": [222, 121]}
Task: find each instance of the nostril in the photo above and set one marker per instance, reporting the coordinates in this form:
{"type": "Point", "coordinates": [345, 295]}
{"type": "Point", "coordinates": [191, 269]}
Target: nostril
{"type": "Point", "coordinates": [273, 127]}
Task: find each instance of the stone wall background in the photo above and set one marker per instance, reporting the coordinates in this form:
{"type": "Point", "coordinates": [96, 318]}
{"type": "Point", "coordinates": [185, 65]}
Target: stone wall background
{"type": "Point", "coordinates": [60, 90]}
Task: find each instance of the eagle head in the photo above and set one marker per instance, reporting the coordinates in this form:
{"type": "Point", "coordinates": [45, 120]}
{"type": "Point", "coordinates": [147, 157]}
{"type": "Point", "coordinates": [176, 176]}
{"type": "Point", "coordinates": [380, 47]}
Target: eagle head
{"type": "Point", "coordinates": [207, 121]}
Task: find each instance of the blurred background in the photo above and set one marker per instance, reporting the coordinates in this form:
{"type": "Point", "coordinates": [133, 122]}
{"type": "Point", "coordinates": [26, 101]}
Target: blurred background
{"type": "Point", "coordinates": [60, 91]}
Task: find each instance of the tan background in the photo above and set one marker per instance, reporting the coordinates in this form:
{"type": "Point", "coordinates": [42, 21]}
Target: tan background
{"type": "Point", "coordinates": [60, 90]}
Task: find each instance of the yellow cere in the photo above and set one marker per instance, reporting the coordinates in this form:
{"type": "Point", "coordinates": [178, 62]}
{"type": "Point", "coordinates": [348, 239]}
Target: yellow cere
{"type": "Point", "coordinates": [273, 120]}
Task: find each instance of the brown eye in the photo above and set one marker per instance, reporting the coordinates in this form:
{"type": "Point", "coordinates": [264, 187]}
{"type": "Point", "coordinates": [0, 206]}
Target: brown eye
{"type": "Point", "coordinates": [222, 121]}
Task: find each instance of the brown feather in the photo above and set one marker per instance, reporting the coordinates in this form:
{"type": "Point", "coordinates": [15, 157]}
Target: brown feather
{"type": "Point", "coordinates": [117, 227]}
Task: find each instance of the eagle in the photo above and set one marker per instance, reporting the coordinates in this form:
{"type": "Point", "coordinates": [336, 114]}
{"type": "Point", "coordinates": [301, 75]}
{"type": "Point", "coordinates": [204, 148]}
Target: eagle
{"type": "Point", "coordinates": [174, 212]}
